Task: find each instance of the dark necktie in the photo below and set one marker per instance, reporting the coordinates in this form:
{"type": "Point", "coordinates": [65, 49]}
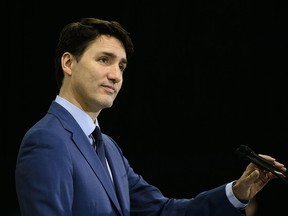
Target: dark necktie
{"type": "Point", "coordinates": [100, 148]}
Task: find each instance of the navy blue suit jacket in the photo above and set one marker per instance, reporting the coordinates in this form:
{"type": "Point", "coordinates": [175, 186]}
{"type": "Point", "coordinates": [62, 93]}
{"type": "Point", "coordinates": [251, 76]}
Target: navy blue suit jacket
{"type": "Point", "coordinates": [58, 173]}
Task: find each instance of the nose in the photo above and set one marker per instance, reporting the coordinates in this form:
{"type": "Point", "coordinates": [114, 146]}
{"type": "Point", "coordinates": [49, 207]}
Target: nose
{"type": "Point", "coordinates": [115, 74]}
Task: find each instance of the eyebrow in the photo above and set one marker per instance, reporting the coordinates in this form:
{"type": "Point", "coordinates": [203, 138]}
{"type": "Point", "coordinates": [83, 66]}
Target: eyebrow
{"type": "Point", "coordinates": [123, 60]}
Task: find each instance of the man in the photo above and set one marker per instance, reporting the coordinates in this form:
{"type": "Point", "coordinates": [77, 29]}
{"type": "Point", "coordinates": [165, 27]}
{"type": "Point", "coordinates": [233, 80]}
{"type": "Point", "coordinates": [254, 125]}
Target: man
{"type": "Point", "coordinates": [58, 171]}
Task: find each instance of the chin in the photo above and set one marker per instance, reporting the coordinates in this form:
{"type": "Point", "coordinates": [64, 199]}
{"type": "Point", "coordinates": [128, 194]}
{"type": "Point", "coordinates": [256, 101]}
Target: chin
{"type": "Point", "coordinates": [107, 104]}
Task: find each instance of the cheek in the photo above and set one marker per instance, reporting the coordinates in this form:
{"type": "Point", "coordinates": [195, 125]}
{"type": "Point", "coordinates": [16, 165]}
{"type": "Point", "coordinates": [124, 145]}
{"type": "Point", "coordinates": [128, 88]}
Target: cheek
{"type": "Point", "coordinates": [119, 85]}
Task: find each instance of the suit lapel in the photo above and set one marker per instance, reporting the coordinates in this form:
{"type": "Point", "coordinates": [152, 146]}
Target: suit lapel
{"type": "Point", "coordinates": [118, 170]}
{"type": "Point", "coordinates": [90, 155]}
{"type": "Point", "coordinates": [86, 149]}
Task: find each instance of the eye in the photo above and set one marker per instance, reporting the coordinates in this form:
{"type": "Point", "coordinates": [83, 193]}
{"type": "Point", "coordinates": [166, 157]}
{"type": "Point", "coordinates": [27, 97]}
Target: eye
{"type": "Point", "coordinates": [122, 67]}
{"type": "Point", "coordinates": [103, 59]}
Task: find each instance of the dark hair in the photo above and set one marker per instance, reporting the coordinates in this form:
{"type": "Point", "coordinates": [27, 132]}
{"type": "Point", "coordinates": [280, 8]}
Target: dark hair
{"type": "Point", "coordinates": [76, 36]}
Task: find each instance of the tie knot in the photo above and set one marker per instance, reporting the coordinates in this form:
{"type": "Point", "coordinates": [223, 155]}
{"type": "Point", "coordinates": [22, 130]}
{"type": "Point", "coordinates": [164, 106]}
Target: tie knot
{"type": "Point", "coordinates": [97, 134]}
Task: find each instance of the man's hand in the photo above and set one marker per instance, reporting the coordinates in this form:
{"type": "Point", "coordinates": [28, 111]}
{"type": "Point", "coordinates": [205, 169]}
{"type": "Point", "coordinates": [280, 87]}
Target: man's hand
{"type": "Point", "coordinates": [254, 179]}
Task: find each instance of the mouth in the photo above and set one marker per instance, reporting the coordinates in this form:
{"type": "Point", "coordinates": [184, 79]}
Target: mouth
{"type": "Point", "coordinates": [109, 89]}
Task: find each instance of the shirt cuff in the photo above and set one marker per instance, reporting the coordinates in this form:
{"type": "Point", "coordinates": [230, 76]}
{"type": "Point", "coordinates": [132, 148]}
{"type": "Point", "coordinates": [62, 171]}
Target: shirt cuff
{"type": "Point", "coordinates": [232, 198]}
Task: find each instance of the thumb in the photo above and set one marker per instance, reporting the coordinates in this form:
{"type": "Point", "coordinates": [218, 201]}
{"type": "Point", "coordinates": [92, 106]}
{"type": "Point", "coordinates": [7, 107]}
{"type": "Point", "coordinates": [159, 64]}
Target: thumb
{"type": "Point", "coordinates": [243, 188]}
{"type": "Point", "coordinates": [252, 177]}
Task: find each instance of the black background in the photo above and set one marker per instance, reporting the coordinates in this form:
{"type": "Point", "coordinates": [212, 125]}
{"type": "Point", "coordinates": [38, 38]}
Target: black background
{"type": "Point", "coordinates": [205, 78]}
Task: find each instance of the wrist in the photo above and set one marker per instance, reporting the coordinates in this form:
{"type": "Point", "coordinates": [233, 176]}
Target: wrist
{"type": "Point", "coordinates": [238, 193]}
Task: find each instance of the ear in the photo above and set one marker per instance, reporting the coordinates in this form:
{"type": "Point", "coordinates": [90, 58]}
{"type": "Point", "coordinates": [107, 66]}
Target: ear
{"type": "Point", "coordinates": [66, 63]}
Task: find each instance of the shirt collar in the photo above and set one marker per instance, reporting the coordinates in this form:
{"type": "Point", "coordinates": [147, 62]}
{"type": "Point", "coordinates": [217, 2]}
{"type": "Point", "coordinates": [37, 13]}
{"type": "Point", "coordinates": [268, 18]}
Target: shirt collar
{"type": "Point", "coordinates": [81, 117]}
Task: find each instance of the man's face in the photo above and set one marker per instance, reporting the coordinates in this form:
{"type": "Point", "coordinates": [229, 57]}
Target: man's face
{"type": "Point", "coordinates": [95, 80]}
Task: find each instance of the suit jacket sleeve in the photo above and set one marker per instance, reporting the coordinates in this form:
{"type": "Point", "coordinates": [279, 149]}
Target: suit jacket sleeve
{"type": "Point", "coordinates": [146, 199]}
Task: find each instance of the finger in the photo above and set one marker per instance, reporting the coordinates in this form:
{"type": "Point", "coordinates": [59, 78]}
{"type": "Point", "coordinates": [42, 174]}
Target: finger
{"type": "Point", "coordinates": [267, 157]}
{"type": "Point", "coordinates": [252, 177]}
{"type": "Point", "coordinates": [274, 161]}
